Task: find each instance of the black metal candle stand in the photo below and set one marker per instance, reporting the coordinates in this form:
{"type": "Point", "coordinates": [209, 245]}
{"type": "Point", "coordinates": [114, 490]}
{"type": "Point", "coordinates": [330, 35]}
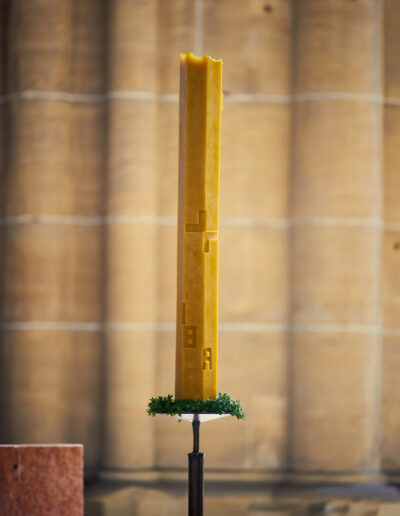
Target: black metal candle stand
{"type": "Point", "coordinates": [196, 412]}
{"type": "Point", "coordinates": [196, 462]}
{"type": "Point", "coordinates": [196, 473]}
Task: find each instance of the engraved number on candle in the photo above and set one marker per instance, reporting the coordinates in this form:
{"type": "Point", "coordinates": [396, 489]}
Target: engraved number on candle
{"type": "Point", "coordinates": [201, 226]}
{"type": "Point", "coordinates": [190, 336]}
{"type": "Point", "coordinates": [207, 358]}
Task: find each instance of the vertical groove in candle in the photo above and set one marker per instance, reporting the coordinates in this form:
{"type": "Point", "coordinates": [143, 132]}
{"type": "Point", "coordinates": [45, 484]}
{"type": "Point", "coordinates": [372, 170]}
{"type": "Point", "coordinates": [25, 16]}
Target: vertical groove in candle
{"type": "Point", "coordinates": [196, 341]}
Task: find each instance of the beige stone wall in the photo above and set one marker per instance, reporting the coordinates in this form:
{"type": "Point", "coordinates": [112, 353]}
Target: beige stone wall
{"type": "Point", "coordinates": [309, 272]}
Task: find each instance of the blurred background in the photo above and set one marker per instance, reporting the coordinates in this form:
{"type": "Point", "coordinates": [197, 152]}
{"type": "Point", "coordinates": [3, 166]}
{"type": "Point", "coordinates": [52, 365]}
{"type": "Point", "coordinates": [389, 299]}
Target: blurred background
{"type": "Point", "coordinates": [309, 248]}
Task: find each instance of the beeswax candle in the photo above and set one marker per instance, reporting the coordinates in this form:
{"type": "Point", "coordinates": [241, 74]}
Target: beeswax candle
{"type": "Point", "coordinates": [200, 103]}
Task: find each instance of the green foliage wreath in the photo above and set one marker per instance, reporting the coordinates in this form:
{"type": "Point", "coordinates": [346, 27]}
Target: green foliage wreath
{"type": "Point", "coordinates": [223, 404]}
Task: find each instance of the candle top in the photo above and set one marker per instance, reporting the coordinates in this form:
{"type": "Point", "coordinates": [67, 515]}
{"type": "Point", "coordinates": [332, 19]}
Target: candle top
{"type": "Point", "coordinates": [189, 56]}
{"type": "Point", "coordinates": [193, 61]}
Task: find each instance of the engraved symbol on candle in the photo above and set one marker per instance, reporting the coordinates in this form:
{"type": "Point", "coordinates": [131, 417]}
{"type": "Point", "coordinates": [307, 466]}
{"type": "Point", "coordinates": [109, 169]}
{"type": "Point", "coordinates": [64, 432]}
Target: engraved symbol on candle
{"type": "Point", "coordinates": [189, 336]}
{"type": "Point", "coordinates": [209, 235]}
{"type": "Point", "coordinates": [201, 226]}
{"type": "Point", "coordinates": [207, 357]}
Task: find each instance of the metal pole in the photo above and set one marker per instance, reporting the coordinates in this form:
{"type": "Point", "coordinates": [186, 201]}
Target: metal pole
{"type": "Point", "coordinates": [196, 462]}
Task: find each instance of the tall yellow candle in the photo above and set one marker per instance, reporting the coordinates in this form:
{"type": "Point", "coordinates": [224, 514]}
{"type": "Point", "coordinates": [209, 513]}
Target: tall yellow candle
{"type": "Point", "coordinates": [200, 104]}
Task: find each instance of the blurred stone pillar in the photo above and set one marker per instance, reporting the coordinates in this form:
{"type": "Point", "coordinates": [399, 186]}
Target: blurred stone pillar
{"type": "Point", "coordinates": [131, 233]}
{"type": "Point", "coordinates": [175, 34]}
{"type": "Point", "coordinates": [336, 238]}
{"type": "Point", "coordinates": [51, 260]}
{"type": "Point", "coordinates": [255, 45]}
{"type": "Point", "coordinates": [391, 243]}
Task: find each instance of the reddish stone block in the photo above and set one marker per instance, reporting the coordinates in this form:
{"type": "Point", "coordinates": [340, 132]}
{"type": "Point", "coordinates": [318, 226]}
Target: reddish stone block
{"type": "Point", "coordinates": [41, 480]}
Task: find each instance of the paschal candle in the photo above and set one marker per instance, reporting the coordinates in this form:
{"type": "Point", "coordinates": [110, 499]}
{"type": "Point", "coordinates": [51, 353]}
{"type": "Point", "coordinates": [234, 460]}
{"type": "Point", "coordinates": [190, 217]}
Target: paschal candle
{"type": "Point", "coordinates": [200, 104]}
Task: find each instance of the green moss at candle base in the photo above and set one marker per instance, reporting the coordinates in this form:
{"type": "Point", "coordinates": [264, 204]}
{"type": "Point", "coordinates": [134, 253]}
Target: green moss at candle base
{"type": "Point", "coordinates": [223, 404]}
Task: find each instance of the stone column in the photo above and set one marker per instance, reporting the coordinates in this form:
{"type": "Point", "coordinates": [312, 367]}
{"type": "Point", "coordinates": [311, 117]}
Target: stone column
{"type": "Point", "coordinates": [254, 43]}
{"type": "Point", "coordinates": [391, 243]}
{"type": "Point", "coordinates": [51, 260]}
{"type": "Point", "coordinates": [175, 34]}
{"type": "Point", "coordinates": [130, 242]}
{"type": "Point", "coordinates": [336, 237]}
